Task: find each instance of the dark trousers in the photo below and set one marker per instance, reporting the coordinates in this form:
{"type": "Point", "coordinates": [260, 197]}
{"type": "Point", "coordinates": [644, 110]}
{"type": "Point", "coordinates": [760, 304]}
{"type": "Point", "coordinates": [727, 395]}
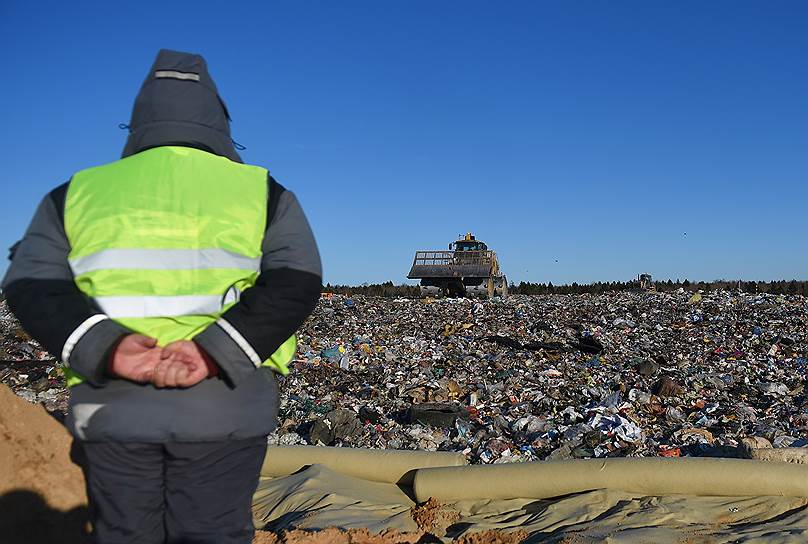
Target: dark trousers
{"type": "Point", "coordinates": [174, 493]}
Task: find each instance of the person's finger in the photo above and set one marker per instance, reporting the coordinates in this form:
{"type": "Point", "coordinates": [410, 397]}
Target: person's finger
{"type": "Point", "coordinates": [167, 354]}
{"type": "Point", "coordinates": [178, 346]}
{"type": "Point", "coordinates": [144, 341]}
{"type": "Point", "coordinates": [175, 354]}
{"type": "Point", "coordinates": [202, 372]}
{"type": "Point", "coordinates": [182, 357]}
{"type": "Point", "coordinates": [171, 373]}
{"type": "Point", "coordinates": [192, 379]}
{"type": "Point", "coordinates": [158, 376]}
{"type": "Point", "coordinates": [143, 374]}
{"type": "Point", "coordinates": [184, 377]}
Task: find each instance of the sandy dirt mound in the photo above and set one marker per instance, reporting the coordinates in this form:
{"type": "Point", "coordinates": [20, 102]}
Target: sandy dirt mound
{"type": "Point", "coordinates": [41, 490]}
{"type": "Point", "coordinates": [362, 536]}
{"type": "Point", "coordinates": [333, 535]}
{"type": "Point", "coordinates": [492, 537]}
{"type": "Point", "coordinates": [35, 454]}
{"type": "Point", "coordinates": [433, 516]}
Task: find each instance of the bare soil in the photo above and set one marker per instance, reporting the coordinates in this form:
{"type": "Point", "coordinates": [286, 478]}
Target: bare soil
{"type": "Point", "coordinates": [333, 535]}
{"type": "Point", "coordinates": [433, 516]}
{"type": "Point", "coordinates": [492, 537]}
{"type": "Point", "coordinates": [42, 497]}
{"type": "Point", "coordinates": [362, 536]}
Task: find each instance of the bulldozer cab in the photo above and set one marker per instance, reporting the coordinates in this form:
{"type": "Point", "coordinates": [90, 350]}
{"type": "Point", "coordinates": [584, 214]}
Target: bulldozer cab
{"type": "Point", "coordinates": [468, 245]}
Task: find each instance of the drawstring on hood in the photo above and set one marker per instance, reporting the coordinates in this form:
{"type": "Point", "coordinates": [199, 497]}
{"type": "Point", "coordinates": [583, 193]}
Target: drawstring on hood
{"type": "Point", "coordinates": [179, 104]}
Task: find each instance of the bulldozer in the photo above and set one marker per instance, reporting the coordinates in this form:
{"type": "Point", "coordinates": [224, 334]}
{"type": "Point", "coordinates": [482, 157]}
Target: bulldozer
{"type": "Point", "coordinates": [468, 268]}
{"type": "Point", "coordinates": [646, 282]}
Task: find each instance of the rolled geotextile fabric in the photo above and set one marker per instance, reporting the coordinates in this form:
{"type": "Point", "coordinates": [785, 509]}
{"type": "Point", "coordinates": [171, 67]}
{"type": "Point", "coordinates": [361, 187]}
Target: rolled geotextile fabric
{"type": "Point", "coordinates": [541, 480]}
{"type": "Point", "coordinates": [387, 466]}
{"type": "Point", "coordinates": [782, 455]}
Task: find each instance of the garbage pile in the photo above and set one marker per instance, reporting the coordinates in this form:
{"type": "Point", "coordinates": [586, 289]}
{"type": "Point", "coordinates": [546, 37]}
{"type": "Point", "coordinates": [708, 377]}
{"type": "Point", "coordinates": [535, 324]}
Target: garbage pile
{"type": "Point", "coordinates": [533, 377]}
{"type": "Point", "coordinates": [552, 377]}
{"type": "Point", "coordinates": [30, 371]}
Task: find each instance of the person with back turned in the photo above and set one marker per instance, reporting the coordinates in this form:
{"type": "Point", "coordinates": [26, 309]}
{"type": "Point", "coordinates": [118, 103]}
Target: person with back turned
{"type": "Point", "coordinates": [170, 284]}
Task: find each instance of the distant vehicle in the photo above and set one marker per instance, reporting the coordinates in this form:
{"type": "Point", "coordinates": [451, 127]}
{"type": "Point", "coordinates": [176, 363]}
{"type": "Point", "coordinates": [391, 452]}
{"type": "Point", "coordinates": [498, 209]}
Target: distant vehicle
{"type": "Point", "coordinates": [646, 283]}
{"type": "Point", "coordinates": [467, 268]}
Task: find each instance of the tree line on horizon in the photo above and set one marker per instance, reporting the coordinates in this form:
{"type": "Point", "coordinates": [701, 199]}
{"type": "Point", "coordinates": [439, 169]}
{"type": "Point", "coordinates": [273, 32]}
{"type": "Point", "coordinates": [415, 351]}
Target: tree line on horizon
{"type": "Point", "coordinates": [779, 287]}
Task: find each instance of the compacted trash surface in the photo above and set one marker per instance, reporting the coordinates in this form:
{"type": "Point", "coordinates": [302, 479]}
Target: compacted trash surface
{"type": "Point", "coordinates": [528, 377]}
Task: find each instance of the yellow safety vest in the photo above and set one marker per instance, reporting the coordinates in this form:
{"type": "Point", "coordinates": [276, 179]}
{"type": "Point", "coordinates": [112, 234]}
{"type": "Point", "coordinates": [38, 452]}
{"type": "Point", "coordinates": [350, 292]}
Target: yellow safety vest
{"type": "Point", "coordinates": [166, 240]}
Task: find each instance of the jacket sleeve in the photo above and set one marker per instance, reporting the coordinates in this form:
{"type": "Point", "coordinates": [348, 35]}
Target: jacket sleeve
{"type": "Point", "coordinates": [41, 292]}
{"type": "Point", "coordinates": [284, 295]}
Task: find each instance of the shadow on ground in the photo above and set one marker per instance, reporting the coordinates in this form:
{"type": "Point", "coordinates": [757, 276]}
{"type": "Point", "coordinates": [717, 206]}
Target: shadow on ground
{"type": "Point", "coordinates": [26, 518]}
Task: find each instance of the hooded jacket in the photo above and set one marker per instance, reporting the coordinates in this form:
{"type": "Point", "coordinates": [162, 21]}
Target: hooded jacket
{"type": "Point", "coordinates": [178, 104]}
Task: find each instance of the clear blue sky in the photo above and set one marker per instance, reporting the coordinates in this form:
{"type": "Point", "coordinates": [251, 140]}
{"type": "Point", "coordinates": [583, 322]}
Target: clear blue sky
{"type": "Point", "coordinates": [594, 134]}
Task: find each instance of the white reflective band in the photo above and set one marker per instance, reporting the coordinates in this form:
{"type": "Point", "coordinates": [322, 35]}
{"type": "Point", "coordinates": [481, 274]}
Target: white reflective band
{"type": "Point", "coordinates": [76, 335]}
{"type": "Point", "coordinates": [82, 413]}
{"type": "Point", "coordinates": [173, 74]}
{"type": "Point", "coordinates": [163, 259]}
{"type": "Point", "coordinates": [159, 306]}
{"type": "Point", "coordinates": [241, 341]}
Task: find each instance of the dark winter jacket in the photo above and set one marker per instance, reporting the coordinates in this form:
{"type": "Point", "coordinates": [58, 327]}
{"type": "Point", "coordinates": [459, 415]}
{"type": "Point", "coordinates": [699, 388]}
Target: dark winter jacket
{"type": "Point", "coordinates": [178, 105]}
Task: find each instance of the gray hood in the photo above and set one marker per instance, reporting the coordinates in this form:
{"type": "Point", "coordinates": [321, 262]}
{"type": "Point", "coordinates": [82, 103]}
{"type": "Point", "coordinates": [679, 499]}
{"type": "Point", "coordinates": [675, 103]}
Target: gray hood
{"type": "Point", "coordinates": [178, 104]}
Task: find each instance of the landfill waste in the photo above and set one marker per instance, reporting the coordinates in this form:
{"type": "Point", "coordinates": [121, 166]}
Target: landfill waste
{"type": "Point", "coordinates": [338, 424]}
{"type": "Point", "coordinates": [647, 368]}
{"type": "Point", "coordinates": [27, 369]}
{"type": "Point", "coordinates": [436, 414]}
{"type": "Point", "coordinates": [667, 387]}
{"type": "Point", "coordinates": [528, 377]}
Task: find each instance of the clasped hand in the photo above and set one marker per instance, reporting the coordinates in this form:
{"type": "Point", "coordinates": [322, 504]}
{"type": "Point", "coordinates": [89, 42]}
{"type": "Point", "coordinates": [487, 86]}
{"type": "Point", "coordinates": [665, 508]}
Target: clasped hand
{"type": "Point", "coordinates": [180, 364]}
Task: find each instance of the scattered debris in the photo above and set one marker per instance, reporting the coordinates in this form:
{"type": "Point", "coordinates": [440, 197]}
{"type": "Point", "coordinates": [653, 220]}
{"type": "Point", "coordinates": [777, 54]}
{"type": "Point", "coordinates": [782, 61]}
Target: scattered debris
{"type": "Point", "coordinates": [667, 387]}
{"type": "Point", "coordinates": [528, 377]}
{"type": "Point", "coordinates": [647, 368]}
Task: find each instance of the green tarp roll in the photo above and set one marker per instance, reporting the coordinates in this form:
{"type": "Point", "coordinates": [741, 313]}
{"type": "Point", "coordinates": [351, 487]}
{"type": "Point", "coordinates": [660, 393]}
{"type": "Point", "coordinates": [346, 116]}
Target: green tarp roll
{"type": "Point", "coordinates": [645, 476]}
{"type": "Point", "coordinates": [388, 466]}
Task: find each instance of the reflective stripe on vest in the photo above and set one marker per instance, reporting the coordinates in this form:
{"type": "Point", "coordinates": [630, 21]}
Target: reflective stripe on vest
{"type": "Point", "coordinates": [157, 306]}
{"type": "Point", "coordinates": [162, 259]}
{"type": "Point", "coordinates": [166, 240]}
